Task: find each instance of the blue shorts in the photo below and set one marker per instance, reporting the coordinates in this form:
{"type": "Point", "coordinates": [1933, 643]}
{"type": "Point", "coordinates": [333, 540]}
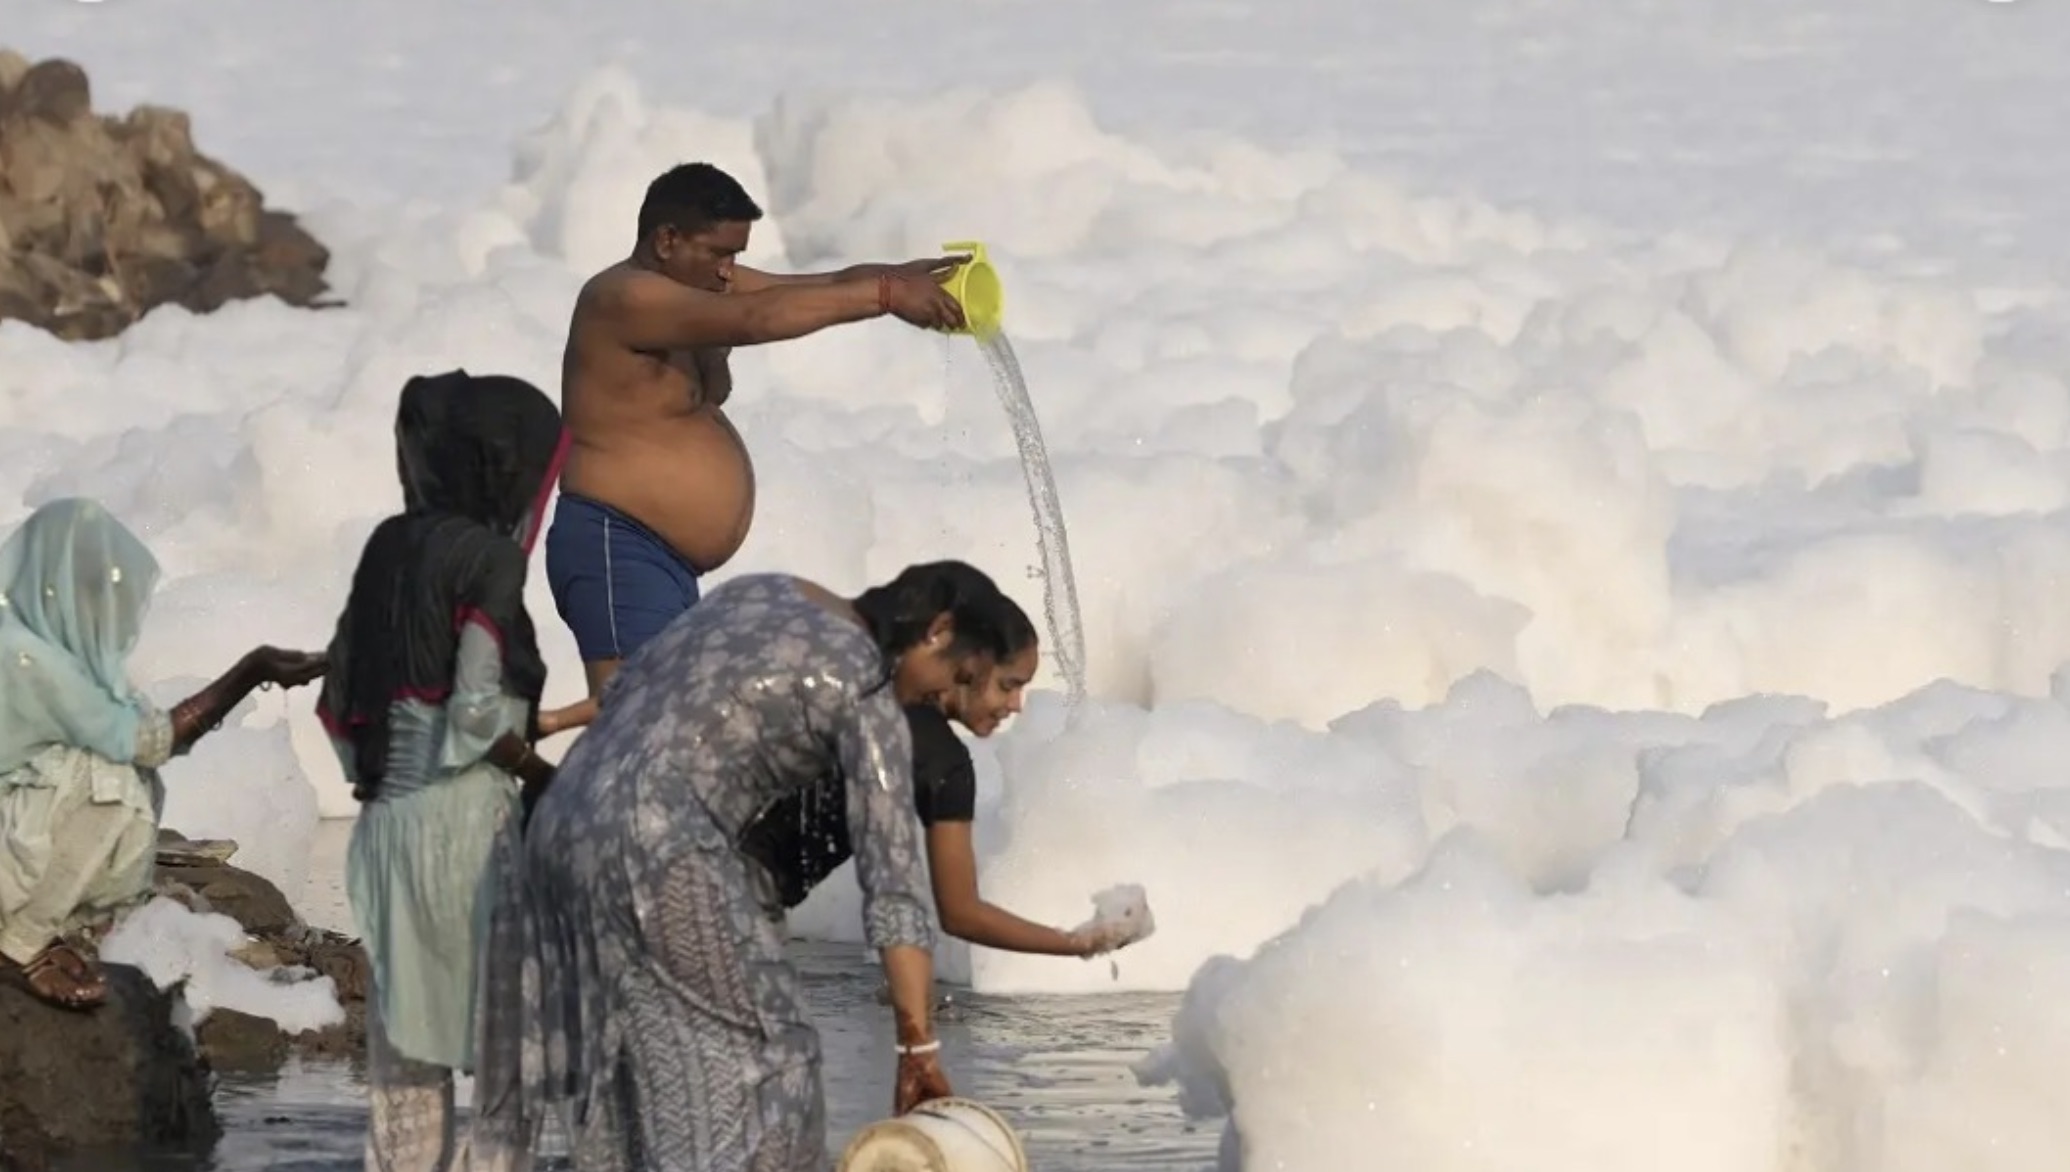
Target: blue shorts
{"type": "Point", "coordinates": [615, 582]}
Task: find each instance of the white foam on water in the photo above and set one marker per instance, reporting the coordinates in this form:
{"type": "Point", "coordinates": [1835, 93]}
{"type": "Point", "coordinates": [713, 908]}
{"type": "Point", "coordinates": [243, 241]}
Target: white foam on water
{"type": "Point", "coordinates": [1569, 566]}
{"type": "Point", "coordinates": [175, 947]}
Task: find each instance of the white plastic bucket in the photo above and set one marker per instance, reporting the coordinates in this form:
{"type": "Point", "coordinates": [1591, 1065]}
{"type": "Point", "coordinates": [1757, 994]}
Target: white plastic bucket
{"type": "Point", "coordinates": [945, 1135]}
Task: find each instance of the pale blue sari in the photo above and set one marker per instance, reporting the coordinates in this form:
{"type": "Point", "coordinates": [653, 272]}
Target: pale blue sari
{"type": "Point", "coordinates": [79, 747]}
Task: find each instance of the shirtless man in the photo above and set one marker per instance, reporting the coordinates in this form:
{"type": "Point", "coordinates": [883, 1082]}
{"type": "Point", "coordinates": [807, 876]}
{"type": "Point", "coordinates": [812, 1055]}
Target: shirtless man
{"type": "Point", "coordinates": [658, 490]}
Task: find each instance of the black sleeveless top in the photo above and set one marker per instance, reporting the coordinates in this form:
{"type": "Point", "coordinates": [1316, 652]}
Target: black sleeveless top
{"type": "Point", "coordinates": [804, 838]}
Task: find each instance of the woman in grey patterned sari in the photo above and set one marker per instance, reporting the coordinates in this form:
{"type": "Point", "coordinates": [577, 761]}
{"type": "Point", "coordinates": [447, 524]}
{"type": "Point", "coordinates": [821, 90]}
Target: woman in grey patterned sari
{"type": "Point", "coordinates": [673, 1029]}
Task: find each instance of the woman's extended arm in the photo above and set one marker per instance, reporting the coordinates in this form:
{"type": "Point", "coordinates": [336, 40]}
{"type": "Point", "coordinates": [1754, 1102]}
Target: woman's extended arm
{"type": "Point", "coordinates": [965, 914]}
{"type": "Point", "coordinates": [204, 710]}
{"type": "Point", "coordinates": [875, 752]}
{"type": "Point", "coordinates": [945, 787]}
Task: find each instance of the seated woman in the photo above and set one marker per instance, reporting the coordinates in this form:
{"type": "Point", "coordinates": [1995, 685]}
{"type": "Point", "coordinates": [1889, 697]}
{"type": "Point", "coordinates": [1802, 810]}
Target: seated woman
{"type": "Point", "coordinates": [674, 1024]}
{"type": "Point", "coordinates": [802, 840]}
{"type": "Point", "coordinates": [432, 705]}
{"type": "Point", "coordinates": [80, 749]}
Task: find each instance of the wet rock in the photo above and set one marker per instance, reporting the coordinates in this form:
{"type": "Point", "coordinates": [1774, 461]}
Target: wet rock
{"type": "Point", "coordinates": [344, 960]}
{"type": "Point", "coordinates": [346, 1041]}
{"type": "Point", "coordinates": [340, 958]}
{"type": "Point", "coordinates": [119, 1079]}
{"type": "Point", "coordinates": [234, 1041]}
{"type": "Point", "coordinates": [257, 955]}
{"type": "Point", "coordinates": [176, 850]}
{"type": "Point", "coordinates": [103, 219]}
{"type": "Point", "coordinates": [251, 900]}
{"type": "Point", "coordinates": [198, 875]}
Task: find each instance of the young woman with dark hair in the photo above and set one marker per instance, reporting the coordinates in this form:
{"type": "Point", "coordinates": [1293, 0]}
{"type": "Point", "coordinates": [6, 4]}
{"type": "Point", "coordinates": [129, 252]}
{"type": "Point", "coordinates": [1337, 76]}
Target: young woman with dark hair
{"type": "Point", "coordinates": [802, 840]}
{"type": "Point", "coordinates": [673, 1027]}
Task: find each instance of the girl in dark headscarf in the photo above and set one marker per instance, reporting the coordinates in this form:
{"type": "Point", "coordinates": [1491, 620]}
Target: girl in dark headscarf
{"type": "Point", "coordinates": [432, 702]}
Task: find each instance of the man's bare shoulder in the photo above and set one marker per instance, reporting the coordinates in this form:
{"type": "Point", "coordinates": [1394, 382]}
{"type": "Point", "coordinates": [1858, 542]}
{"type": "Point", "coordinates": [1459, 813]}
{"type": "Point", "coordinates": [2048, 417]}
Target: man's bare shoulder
{"type": "Point", "coordinates": [626, 285]}
{"type": "Point", "coordinates": [607, 290]}
{"type": "Point", "coordinates": [624, 293]}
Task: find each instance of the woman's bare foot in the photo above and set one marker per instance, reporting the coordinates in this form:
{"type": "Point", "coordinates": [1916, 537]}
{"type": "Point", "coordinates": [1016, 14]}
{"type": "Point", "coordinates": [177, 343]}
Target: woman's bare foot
{"type": "Point", "coordinates": [59, 976]}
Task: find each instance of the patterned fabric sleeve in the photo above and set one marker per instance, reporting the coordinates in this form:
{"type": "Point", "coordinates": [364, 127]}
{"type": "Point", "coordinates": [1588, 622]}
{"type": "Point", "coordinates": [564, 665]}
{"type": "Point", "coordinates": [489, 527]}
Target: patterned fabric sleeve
{"type": "Point", "coordinates": [478, 713]}
{"type": "Point", "coordinates": [877, 761]}
{"type": "Point", "coordinates": [154, 738]}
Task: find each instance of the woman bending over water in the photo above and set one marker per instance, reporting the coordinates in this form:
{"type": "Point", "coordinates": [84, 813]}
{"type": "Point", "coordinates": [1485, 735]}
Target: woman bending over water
{"type": "Point", "coordinates": [432, 706]}
{"type": "Point", "coordinates": [803, 839]}
{"type": "Point", "coordinates": [674, 1022]}
{"type": "Point", "coordinates": [80, 749]}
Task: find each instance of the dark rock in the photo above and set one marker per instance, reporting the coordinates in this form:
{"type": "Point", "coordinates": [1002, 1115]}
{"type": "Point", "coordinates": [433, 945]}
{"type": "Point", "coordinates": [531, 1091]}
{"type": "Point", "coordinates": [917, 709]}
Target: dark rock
{"type": "Point", "coordinates": [344, 960]}
{"type": "Point", "coordinates": [115, 1080]}
{"type": "Point", "coordinates": [103, 219]}
{"type": "Point", "coordinates": [240, 1042]}
{"type": "Point", "coordinates": [13, 67]}
{"type": "Point", "coordinates": [249, 899]}
{"type": "Point", "coordinates": [194, 873]}
{"type": "Point", "coordinates": [177, 850]}
{"type": "Point", "coordinates": [346, 1040]}
{"type": "Point", "coordinates": [341, 959]}
{"type": "Point", "coordinates": [290, 261]}
{"type": "Point", "coordinates": [55, 91]}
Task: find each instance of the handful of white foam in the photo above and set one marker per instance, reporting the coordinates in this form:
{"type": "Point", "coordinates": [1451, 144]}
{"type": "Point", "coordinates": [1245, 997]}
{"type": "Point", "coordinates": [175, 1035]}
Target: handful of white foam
{"type": "Point", "coordinates": [1121, 914]}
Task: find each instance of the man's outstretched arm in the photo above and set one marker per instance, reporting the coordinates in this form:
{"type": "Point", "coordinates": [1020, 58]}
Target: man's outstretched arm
{"type": "Point", "coordinates": [650, 312]}
{"type": "Point", "coordinates": [747, 280]}
{"type": "Point", "coordinates": [646, 311]}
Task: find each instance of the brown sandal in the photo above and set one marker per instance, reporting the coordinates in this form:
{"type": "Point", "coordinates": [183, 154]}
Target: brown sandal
{"type": "Point", "coordinates": [59, 976]}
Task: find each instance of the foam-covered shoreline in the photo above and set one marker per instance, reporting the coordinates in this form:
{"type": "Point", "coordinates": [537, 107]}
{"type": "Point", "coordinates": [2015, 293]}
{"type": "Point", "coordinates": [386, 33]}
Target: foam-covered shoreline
{"type": "Point", "coordinates": [1635, 655]}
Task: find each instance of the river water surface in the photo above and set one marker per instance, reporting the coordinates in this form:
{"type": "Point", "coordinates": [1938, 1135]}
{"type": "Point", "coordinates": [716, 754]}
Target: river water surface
{"type": "Point", "coordinates": [1057, 1067]}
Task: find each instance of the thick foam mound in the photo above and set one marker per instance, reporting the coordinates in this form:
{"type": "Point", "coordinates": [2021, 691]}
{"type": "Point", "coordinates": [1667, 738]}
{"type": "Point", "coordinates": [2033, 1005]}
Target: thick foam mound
{"type": "Point", "coordinates": [1400, 439]}
{"type": "Point", "coordinates": [1452, 576]}
{"type": "Point", "coordinates": [173, 946]}
{"type": "Point", "coordinates": [1771, 951]}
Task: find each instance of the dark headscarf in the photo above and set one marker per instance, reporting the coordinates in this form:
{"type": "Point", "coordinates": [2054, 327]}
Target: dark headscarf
{"type": "Point", "coordinates": [477, 457]}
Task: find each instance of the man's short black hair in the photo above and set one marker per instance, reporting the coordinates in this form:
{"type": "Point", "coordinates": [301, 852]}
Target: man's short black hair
{"type": "Point", "coordinates": [691, 197]}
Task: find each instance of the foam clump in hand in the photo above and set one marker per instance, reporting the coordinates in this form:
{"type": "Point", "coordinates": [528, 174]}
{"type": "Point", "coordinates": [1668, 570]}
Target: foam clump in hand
{"type": "Point", "coordinates": [1121, 917]}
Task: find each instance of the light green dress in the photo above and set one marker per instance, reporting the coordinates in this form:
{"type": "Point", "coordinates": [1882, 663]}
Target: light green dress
{"type": "Point", "coordinates": [421, 871]}
{"type": "Point", "coordinates": [78, 836]}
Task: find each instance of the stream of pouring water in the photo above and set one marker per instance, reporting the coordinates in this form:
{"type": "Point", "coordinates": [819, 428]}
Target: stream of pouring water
{"type": "Point", "coordinates": [1059, 591]}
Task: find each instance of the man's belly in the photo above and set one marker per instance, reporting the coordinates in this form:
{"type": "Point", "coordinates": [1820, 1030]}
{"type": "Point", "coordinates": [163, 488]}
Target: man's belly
{"type": "Point", "coordinates": [688, 478]}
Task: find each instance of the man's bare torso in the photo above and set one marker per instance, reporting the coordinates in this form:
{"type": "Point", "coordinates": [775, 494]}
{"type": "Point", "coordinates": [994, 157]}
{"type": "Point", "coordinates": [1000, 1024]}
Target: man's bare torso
{"type": "Point", "coordinates": [650, 436]}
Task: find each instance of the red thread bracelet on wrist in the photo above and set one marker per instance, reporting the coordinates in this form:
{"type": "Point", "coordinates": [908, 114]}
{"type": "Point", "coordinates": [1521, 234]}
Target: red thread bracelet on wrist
{"type": "Point", "coordinates": [883, 292]}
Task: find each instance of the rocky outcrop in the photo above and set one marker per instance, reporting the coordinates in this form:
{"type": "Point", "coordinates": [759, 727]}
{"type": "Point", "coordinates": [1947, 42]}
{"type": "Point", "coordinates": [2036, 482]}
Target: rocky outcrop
{"type": "Point", "coordinates": [122, 1079]}
{"type": "Point", "coordinates": [103, 219]}
{"type": "Point", "coordinates": [131, 1076]}
{"type": "Point", "coordinates": [199, 875]}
